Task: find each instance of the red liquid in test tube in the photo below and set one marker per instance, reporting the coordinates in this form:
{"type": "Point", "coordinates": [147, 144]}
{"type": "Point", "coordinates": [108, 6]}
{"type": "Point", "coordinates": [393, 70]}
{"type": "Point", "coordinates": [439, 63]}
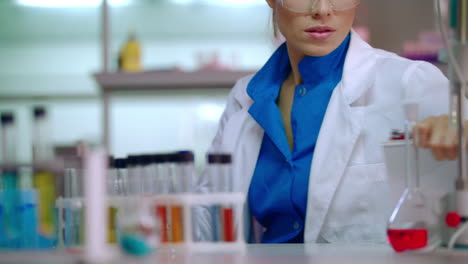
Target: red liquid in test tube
{"type": "Point", "coordinates": [228, 225]}
{"type": "Point", "coordinates": [162, 213]}
{"type": "Point", "coordinates": [407, 239]}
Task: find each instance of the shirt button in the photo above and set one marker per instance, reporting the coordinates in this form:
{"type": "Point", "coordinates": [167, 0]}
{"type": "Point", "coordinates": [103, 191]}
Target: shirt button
{"type": "Point", "coordinates": [296, 225]}
{"type": "Point", "coordinates": [302, 91]}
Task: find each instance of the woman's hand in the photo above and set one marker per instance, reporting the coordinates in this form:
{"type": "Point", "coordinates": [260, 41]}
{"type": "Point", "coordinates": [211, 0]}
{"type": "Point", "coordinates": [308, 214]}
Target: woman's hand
{"type": "Point", "coordinates": [435, 133]}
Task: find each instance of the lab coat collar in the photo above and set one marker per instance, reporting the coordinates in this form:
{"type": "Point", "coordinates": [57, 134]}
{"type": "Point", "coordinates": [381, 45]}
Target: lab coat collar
{"type": "Point", "coordinates": [356, 78]}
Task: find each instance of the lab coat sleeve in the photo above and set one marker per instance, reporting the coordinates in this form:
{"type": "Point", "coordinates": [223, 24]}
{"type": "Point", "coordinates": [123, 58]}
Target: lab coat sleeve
{"type": "Point", "coordinates": [426, 84]}
{"type": "Point", "coordinates": [202, 214]}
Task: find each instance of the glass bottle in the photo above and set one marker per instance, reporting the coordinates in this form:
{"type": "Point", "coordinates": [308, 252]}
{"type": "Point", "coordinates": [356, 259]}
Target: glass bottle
{"type": "Point", "coordinates": [412, 225]}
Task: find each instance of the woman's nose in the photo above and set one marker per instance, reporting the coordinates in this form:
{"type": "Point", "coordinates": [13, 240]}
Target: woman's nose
{"type": "Point", "coordinates": [321, 8]}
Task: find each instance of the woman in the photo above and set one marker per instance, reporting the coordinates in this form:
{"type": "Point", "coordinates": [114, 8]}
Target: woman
{"type": "Point", "coordinates": [306, 130]}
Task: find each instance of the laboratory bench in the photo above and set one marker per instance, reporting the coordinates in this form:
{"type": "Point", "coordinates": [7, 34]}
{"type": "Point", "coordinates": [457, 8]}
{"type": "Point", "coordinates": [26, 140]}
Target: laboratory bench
{"type": "Point", "coordinates": [263, 253]}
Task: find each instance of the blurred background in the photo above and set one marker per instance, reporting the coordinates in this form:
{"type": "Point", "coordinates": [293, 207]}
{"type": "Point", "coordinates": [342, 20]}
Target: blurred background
{"type": "Point", "coordinates": [50, 51]}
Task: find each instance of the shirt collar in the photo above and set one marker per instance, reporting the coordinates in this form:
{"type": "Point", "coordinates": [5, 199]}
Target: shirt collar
{"type": "Point", "coordinates": [314, 69]}
{"type": "Point", "coordinates": [267, 81]}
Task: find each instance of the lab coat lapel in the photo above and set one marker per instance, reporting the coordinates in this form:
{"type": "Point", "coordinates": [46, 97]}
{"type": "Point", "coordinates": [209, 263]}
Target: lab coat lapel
{"type": "Point", "coordinates": [338, 135]}
{"type": "Point", "coordinates": [244, 138]}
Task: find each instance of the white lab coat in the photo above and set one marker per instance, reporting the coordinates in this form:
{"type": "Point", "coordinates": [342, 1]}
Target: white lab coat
{"type": "Point", "coordinates": [348, 194]}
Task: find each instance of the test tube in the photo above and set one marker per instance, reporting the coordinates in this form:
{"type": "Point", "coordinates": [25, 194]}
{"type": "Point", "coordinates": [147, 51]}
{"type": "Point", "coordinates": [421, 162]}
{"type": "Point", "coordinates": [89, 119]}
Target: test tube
{"type": "Point", "coordinates": [160, 185]}
{"type": "Point", "coordinates": [73, 210]}
{"type": "Point", "coordinates": [27, 209]}
{"type": "Point", "coordinates": [44, 179]}
{"type": "Point", "coordinates": [215, 187]}
{"type": "Point", "coordinates": [122, 176]}
{"type": "Point", "coordinates": [147, 174]}
{"type": "Point", "coordinates": [9, 229]}
{"type": "Point", "coordinates": [182, 174]}
{"type": "Point", "coordinates": [111, 177]}
{"type": "Point", "coordinates": [134, 172]}
{"type": "Point", "coordinates": [221, 178]}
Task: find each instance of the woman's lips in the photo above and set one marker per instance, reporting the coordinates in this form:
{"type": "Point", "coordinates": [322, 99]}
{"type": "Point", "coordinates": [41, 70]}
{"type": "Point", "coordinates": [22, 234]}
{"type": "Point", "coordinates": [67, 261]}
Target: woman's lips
{"type": "Point", "coordinates": [320, 32]}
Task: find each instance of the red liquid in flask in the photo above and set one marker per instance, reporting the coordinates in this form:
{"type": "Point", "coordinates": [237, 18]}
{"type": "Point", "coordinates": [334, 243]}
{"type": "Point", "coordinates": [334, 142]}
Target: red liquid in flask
{"type": "Point", "coordinates": [407, 239]}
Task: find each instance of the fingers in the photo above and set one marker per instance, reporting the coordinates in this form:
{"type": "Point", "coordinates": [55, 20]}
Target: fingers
{"type": "Point", "coordinates": [437, 141]}
{"type": "Point", "coordinates": [423, 131]}
{"type": "Point", "coordinates": [435, 133]}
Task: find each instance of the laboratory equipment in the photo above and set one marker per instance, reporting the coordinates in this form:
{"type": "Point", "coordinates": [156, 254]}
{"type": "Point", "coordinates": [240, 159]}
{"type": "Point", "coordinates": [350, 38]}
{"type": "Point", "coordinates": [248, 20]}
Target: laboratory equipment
{"type": "Point", "coordinates": [111, 178]}
{"type": "Point", "coordinates": [304, 7]}
{"type": "Point", "coordinates": [182, 173]}
{"type": "Point", "coordinates": [44, 179]}
{"type": "Point", "coordinates": [9, 226]}
{"type": "Point", "coordinates": [161, 183]}
{"type": "Point", "coordinates": [135, 174]}
{"type": "Point", "coordinates": [412, 225]}
{"type": "Point", "coordinates": [457, 52]}
{"type": "Point", "coordinates": [147, 174]}
{"type": "Point", "coordinates": [219, 170]}
{"type": "Point", "coordinates": [121, 176]}
{"type": "Point", "coordinates": [96, 206]}
{"type": "Point", "coordinates": [71, 212]}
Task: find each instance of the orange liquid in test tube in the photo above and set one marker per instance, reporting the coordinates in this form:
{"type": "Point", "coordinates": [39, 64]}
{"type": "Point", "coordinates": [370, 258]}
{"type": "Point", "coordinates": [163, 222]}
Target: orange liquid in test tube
{"type": "Point", "coordinates": [162, 214]}
{"type": "Point", "coordinates": [177, 224]}
{"type": "Point", "coordinates": [228, 225]}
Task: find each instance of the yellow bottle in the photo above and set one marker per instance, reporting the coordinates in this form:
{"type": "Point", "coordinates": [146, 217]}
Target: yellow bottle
{"type": "Point", "coordinates": [130, 55]}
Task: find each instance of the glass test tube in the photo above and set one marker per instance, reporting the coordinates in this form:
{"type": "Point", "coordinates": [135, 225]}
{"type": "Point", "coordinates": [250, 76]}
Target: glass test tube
{"type": "Point", "coordinates": [44, 179]}
{"type": "Point", "coordinates": [182, 182]}
{"type": "Point", "coordinates": [147, 174]}
{"type": "Point", "coordinates": [121, 176]}
{"type": "Point", "coordinates": [111, 177]}
{"type": "Point", "coordinates": [221, 178]}
{"type": "Point", "coordinates": [112, 189]}
{"type": "Point", "coordinates": [27, 208]}
{"type": "Point", "coordinates": [161, 186]}
{"type": "Point", "coordinates": [134, 171]}
{"type": "Point", "coordinates": [9, 226]}
{"type": "Point", "coordinates": [73, 210]}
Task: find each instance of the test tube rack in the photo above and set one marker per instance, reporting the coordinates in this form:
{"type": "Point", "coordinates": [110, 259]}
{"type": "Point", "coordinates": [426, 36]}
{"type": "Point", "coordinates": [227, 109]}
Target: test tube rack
{"type": "Point", "coordinates": [190, 201]}
{"type": "Point", "coordinates": [187, 203]}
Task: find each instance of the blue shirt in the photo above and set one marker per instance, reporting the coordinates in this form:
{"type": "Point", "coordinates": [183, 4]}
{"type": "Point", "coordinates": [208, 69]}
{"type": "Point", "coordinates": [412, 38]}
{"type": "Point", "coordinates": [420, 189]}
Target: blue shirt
{"type": "Point", "coordinates": [278, 190]}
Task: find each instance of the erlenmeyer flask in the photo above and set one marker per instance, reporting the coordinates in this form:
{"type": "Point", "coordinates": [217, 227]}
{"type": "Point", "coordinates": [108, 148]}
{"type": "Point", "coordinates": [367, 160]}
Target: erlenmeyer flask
{"type": "Point", "coordinates": [412, 225]}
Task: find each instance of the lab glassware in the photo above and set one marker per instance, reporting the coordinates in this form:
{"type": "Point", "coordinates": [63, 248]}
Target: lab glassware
{"type": "Point", "coordinates": [44, 179]}
{"type": "Point", "coordinates": [412, 225]}
{"type": "Point", "coordinates": [9, 226]}
{"type": "Point", "coordinates": [221, 182]}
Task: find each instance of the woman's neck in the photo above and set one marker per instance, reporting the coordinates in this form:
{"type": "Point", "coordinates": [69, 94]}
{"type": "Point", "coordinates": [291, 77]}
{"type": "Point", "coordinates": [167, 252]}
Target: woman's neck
{"type": "Point", "coordinates": [294, 59]}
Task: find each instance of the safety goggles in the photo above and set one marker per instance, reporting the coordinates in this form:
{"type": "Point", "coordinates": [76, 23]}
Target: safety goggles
{"type": "Point", "coordinates": [305, 6]}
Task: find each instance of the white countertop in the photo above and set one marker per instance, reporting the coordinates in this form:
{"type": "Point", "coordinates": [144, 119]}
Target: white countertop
{"type": "Point", "coordinates": [271, 254]}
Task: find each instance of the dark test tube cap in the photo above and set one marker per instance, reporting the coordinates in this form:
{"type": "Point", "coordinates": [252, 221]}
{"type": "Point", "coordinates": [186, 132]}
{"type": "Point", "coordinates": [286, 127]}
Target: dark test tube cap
{"type": "Point", "coordinates": [182, 156]}
{"type": "Point", "coordinates": [39, 111]}
{"type": "Point", "coordinates": [133, 160]}
{"type": "Point", "coordinates": [159, 158]}
{"type": "Point", "coordinates": [7, 118]}
{"type": "Point", "coordinates": [145, 160]}
{"type": "Point", "coordinates": [120, 163]}
{"type": "Point", "coordinates": [219, 158]}
{"type": "Point", "coordinates": [186, 156]}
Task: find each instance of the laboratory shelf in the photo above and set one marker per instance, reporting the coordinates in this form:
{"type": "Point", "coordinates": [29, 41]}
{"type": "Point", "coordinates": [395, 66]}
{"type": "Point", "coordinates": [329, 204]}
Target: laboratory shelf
{"type": "Point", "coordinates": [153, 80]}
